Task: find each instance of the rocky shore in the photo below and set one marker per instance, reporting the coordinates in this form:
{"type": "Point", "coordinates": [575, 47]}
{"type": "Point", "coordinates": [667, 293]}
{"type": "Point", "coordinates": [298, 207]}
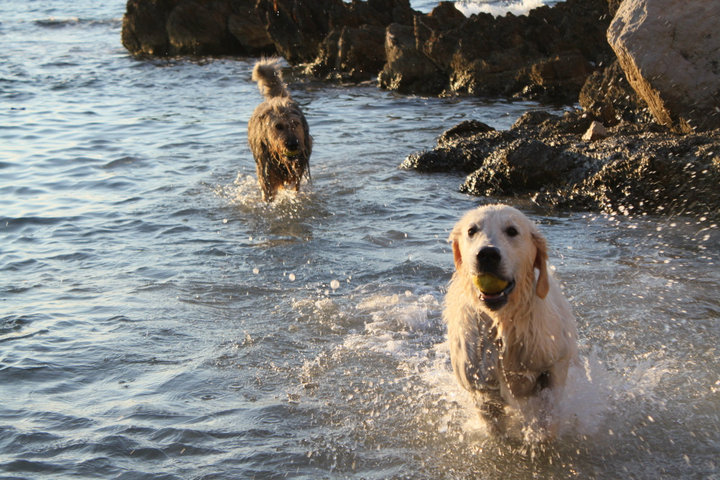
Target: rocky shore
{"type": "Point", "coordinates": [645, 73]}
{"type": "Point", "coordinates": [645, 141]}
{"type": "Point", "coordinates": [630, 168]}
{"type": "Point", "coordinates": [545, 55]}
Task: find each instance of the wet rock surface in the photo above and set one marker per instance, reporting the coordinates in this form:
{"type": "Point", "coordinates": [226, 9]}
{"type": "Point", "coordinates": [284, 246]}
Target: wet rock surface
{"type": "Point", "coordinates": [637, 168]}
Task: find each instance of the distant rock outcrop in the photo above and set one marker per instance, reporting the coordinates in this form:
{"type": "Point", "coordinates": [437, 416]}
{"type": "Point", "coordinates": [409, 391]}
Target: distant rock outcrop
{"type": "Point", "coordinates": [670, 53]}
{"type": "Point", "coordinates": [546, 54]}
{"type": "Point", "coordinates": [188, 27]}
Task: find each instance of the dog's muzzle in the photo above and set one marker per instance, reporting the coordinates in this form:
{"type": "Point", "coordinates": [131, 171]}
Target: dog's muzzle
{"type": "Point", "coordinates": [292, 148]}
{"type": "Point", "coordinates": [495, 301]}
{"type": "Point", "coordinates": [494, 288]}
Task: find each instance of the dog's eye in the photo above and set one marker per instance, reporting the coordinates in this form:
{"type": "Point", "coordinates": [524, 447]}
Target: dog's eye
{"type": "Point", "coordinates": [279, 126]}
{"type": "Point", "coordinates": [472, 230]}
{"type": "Point", "coordinates": [511, 231]}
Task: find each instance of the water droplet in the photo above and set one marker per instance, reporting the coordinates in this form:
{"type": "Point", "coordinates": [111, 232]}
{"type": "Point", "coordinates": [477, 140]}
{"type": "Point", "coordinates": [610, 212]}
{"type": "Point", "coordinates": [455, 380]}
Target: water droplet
{"type": "Point", "coordinates": [335, 284]}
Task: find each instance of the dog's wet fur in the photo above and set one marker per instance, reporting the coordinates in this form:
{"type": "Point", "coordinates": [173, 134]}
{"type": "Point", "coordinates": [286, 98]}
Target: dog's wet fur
{"type": "Point", "coordinates": [510, 348]}
{"type": "Point", "coordinates": [278, 133]}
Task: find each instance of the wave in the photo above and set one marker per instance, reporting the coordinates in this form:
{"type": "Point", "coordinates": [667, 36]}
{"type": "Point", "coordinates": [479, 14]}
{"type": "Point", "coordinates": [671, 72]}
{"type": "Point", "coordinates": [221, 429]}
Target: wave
{"type": "Point", "coordinates": [501, 7]}
{"type": "Point", "coordinates": [53, 22]}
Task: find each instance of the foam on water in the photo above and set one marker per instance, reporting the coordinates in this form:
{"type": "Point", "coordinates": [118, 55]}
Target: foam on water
{"type": "Point", "coordinates": [406, 327]}
{"type": "Point", "coordinates": [500, 8]}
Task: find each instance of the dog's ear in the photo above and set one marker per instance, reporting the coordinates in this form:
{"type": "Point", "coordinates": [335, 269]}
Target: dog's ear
{"type": "Point", "coordinates": [454, 239]}
{"type": "Point", "coordinates": [543, 282]}
{"type": "Point", "coordinates": [456, 254]}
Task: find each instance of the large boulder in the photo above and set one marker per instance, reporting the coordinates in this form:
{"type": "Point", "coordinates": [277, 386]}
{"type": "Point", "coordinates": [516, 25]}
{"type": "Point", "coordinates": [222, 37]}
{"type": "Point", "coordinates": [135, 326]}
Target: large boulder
{"type": "Point", "coordinates": [670, 53]}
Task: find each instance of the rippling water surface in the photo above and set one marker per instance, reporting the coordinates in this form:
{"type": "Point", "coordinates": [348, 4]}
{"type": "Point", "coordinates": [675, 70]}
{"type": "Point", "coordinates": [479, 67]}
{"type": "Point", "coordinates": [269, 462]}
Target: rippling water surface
{"type": "Point", "coordinates": [158, 320]}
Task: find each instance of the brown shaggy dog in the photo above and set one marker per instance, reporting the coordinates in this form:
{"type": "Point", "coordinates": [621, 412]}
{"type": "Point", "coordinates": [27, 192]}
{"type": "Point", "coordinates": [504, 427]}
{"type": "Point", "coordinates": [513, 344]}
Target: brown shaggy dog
{"type": "Point", "coordinates": [278, 133]}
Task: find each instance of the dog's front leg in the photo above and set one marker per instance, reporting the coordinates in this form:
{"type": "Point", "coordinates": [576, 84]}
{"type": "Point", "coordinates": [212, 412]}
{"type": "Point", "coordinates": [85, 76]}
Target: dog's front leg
{"type": "Point", "coordinates": [491, 407]}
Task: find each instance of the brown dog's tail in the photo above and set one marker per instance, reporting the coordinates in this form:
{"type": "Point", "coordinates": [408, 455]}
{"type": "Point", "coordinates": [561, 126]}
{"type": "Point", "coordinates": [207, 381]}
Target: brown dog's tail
{"type": "Point", "coordinates": [267, 75]}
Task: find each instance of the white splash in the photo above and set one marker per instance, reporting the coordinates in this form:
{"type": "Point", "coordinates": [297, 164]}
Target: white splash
{"type": "Point", "coordinates": [500, 8]}
{"type": "Point", "coordinates": [244, 192]}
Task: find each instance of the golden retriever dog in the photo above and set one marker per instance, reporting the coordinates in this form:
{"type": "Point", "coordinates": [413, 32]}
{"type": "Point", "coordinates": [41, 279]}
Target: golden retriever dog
{"type": "Point", "coordinates": [511, 332]}
{"type": "Point", "coordinates": [278, 133]}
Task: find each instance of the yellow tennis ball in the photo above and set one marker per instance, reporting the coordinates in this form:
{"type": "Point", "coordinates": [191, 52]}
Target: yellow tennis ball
{"type": "Point", "coordinates": [489, 283]}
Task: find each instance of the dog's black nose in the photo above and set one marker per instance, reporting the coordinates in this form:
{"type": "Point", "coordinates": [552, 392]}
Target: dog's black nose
{"type": "Point", "coordinates": [292, 143]}
{"type": "Point", "coordinates": [489, 259]}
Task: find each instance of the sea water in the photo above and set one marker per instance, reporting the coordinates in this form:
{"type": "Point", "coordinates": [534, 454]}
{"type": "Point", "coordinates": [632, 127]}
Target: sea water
{"type": "Point", "coordinates": [158, 320]}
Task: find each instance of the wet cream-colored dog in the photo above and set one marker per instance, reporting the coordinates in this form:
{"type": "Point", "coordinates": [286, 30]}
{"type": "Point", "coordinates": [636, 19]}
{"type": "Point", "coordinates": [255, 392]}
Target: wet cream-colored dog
{"type": "Point", "coordinates": [512, 333]}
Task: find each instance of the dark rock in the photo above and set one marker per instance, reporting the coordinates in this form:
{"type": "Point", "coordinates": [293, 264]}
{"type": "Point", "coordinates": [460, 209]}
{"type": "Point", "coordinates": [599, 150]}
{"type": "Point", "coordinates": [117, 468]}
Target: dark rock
{"type": "Point", "coordinates": [546, 54]}
{"type": "Point", "coordinates": [560, 77]}
{"type": "Point", "coordinates": [650, 173]}
{"type": "Point", "coordinates": [608, 96]}
{"type": "Point", "coordinates": [143, 31]}
{"type": "Point", "coordinates": [464, 129]}
{"type": "Point", "coordinates": [246, 25]}
{"type": "Point", "coordinates": [352, 53]}
{"type": "Point", "coordinates": [545, 125]}
{"type": "Point", "coordinates": [189, 27]}
{"type": "Point", "coordinates": [192, 28]}
{"type": "Point", "coordinates": [407, 70]}
{"type": "Point", "coordinates": [526, 165]}
{"type": "Point", "coordinates": [296, 27]}
{"type": "Point", "coordinates": [638, 168]}
{"type": "Point", "coordinates": [457, 152]}
{"type": "Point", "coordinates": [532, 119]}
